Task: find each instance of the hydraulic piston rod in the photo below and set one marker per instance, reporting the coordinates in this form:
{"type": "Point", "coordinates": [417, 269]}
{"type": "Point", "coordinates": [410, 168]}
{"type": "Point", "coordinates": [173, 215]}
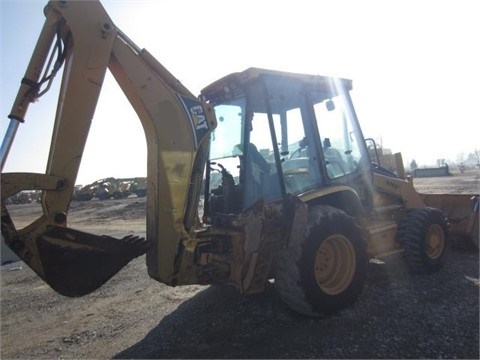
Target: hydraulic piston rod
{"type": "Point", "coordinates": [28, 89]}
{"type": "Point", "coordinates": [8, 140]}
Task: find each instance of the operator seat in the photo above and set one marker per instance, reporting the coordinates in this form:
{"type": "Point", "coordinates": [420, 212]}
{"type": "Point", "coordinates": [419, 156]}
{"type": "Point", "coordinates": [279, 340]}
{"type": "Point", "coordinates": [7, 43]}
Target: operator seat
{"type": "Point", "coordinates": [335, 164]}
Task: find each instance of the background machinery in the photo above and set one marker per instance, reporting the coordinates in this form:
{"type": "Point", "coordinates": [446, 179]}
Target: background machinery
{"type": "Point", "coordinates": [102, 189]}
{"type": "Point", "coordinates": [111, 187]}
{"type": "Point", "coordinates": [289, 191]}
{"type": "Point", "coordinates": [138, 186]}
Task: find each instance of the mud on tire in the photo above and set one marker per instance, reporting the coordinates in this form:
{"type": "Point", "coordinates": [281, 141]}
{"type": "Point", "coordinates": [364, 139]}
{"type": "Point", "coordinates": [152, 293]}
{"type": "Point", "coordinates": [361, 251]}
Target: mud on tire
{"type": "Point", "coordinates": [325, 268]}
{"type": "Point", "coordinates": [425, 235]}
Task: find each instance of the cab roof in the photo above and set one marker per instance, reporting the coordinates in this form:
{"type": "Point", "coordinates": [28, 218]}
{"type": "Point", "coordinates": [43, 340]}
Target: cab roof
{"type": "Point", "coordinates": [236, 81]}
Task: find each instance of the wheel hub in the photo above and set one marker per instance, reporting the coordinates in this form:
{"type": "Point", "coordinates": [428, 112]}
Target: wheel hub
{"type": "Point", "coordinates": [434, 241]}
{"type": "Point", "coordinates": [335, 264]}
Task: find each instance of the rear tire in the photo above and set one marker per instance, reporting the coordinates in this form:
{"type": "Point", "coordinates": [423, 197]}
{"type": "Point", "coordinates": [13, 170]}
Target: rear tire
{"type": "Point", "coordinates": [324, 270]}
{"type": "Point", "coordinates": [141, 193]}
{"type": "Point", "coordinates": [425, 235]}
{"type": "Point", "coordinates": [103, 196]}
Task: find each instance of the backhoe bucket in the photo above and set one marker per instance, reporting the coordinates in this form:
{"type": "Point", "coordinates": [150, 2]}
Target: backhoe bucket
{"type": "Point", "coordinates": [462, 212]}
{"type": "Point", "coordinates": [75, 263]}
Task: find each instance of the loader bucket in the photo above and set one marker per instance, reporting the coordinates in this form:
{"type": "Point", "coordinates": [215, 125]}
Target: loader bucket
{"type": "Point", "coordinates": [462, 212]}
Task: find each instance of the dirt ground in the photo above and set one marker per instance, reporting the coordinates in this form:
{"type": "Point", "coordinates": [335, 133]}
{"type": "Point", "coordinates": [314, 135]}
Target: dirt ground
{"type": "Point", "coordinates": [459, 183]}
{"type": "Point", "coordinates": [133, 316]}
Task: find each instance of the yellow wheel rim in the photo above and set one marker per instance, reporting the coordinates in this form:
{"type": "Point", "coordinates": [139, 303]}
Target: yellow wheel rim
{"type": "Point", "coordinates": [335, 264]}
{"type": "Point", "coordinates": [434, 241]}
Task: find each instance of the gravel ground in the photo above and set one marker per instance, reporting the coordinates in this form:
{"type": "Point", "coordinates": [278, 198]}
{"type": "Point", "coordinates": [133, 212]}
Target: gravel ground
{"type": "Point", "coordinates": [396, 317]}
{"type": "Point", "coordinates": [132, 316]}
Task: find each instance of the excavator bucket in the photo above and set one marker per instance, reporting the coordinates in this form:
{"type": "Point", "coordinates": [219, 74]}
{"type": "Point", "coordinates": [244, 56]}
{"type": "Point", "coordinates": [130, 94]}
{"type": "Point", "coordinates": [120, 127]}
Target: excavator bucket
{"type": "Point", "coordinates": [462, 212]}
{"type": "Point", "coordinates": [75, 263]}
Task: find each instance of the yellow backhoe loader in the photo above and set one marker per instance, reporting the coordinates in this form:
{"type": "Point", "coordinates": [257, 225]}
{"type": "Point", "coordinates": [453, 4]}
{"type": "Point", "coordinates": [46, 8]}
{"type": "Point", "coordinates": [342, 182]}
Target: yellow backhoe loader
{"type": "Point", "coordinates": [279, 160]}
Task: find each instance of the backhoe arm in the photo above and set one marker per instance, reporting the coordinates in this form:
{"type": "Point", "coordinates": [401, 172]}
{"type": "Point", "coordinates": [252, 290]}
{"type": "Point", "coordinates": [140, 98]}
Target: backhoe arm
{"type": "Point", "coordinates": [176, 127]}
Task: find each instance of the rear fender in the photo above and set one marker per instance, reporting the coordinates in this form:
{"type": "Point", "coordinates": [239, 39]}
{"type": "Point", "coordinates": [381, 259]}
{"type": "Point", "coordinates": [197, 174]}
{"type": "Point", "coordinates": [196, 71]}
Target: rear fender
{"type": "Point", "coordinates": [341, 197]}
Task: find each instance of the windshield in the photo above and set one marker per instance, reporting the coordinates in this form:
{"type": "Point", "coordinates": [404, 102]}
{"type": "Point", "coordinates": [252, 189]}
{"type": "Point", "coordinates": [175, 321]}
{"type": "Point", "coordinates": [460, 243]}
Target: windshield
{"type": "Point", "coordinates": [229, 130]}
{"type": "Point", "coordinates": [339, 139]}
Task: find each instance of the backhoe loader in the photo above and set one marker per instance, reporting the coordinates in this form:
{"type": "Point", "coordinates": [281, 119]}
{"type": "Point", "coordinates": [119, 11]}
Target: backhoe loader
{"type": "Point", "coordinates": [102, 189]}
{"type": "Point", "coordinates": [279, 160]}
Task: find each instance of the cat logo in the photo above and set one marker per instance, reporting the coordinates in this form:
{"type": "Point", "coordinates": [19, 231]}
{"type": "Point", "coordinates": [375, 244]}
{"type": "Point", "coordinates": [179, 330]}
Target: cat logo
{"type": "Point", "coordinates": [196, 114]}
{"type": "Point", "coordinates": [198, 118]}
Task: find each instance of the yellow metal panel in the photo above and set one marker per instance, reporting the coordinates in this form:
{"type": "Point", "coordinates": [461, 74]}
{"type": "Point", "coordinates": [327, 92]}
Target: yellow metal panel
{"type": "Point", "coordinates": [170, 130]}
{"type": "Point", "coordinates": [402, 189]}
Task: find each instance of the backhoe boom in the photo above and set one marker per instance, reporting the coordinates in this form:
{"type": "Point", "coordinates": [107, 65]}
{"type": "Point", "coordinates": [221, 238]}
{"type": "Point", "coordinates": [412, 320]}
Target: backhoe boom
{"type": "Point", "coordinates": [176, 125]}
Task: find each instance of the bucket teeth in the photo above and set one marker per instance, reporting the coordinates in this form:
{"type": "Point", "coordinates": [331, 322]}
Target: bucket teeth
{"type": "Point", "coordinates": [137, 243]}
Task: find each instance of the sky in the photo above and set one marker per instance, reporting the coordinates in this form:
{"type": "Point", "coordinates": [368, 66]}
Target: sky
{"type": "Point", "coordinates": [414, 65]}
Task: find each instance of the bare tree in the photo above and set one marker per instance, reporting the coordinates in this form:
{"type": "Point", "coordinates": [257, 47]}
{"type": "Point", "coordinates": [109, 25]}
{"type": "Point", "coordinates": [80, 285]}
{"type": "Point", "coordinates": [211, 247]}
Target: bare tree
{"type": "Point", "coordinates": [476, 153]}
{"type": "Point", "coordinates": [413, 165]}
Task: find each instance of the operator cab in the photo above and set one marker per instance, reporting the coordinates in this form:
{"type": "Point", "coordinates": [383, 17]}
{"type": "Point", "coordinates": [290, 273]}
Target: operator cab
{"type": "Point", "coordinates": [281, 133]}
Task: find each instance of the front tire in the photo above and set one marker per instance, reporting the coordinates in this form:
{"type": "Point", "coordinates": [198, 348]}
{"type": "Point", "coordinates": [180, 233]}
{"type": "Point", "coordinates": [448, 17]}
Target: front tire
{"type": "Point", "coordinates": [118, 195]}
{"type": "Point", "coordinates": [425, 235]}
{"type": "Point", "coordinates": [324, 270]}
